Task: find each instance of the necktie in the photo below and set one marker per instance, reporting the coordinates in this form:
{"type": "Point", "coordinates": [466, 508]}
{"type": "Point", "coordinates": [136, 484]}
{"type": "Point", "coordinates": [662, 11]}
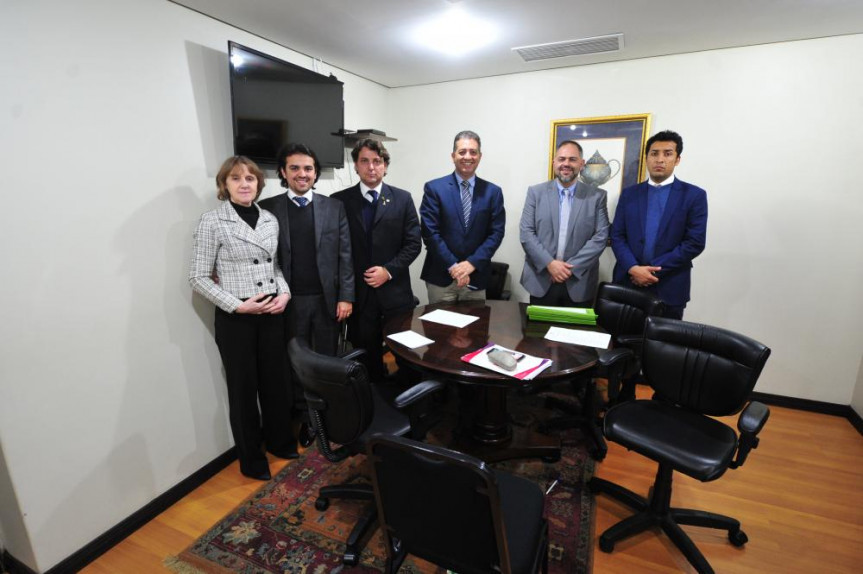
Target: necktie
{"type": "Point", "coordinates": [373, 194]}
{"type": "Point", "coordinates": [565, 207]}
{"type": "Point", "coordinates": [301, 201]}
{"type": "Point", "coordinates": [465, 201]}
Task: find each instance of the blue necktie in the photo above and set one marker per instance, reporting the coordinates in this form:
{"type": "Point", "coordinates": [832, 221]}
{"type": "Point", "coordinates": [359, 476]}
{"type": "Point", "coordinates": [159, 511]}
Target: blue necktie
{"type": "Point", "coordinates": [301, 201]}
{"type": "Point", "coordinates": [465, 201]}
{"type": "Point", "coordinates": [373, 194]}
{"type": "Point", "coordinates": [565, 207]}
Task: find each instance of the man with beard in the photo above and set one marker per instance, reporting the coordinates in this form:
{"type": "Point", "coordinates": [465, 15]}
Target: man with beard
{"type": "Point", "coordinates": [564, 228]}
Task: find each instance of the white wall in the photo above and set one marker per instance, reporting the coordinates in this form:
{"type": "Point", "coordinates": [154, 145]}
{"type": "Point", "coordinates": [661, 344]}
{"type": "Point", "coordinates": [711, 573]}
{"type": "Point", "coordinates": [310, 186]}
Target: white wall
{"type": "Point", "coordinates": [114, 117]}
{"type": "Point", "coordinates": [772, 133]}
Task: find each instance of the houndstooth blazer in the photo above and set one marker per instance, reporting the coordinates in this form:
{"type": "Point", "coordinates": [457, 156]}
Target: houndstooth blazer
{"type": "Point", "coordinates": [244, 259]}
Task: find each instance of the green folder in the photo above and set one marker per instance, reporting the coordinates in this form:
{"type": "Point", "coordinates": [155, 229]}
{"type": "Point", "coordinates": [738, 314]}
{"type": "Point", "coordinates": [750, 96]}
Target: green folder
{"type": "Point", "coordinates": [561, 315]}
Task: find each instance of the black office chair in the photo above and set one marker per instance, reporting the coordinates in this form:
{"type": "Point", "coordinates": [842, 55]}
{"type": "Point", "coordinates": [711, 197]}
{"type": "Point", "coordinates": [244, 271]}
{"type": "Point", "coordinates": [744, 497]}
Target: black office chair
{"type": "Point", "coordinates": [454, 511]}
{"type": "Point", "coordinates": [497, 281]}
{"type": "Point", "coordinates": [347, 410]}
{"type": "Point", "coordinates": [697, 372]}
{"type": "Point", "coordinates": [621, 311]}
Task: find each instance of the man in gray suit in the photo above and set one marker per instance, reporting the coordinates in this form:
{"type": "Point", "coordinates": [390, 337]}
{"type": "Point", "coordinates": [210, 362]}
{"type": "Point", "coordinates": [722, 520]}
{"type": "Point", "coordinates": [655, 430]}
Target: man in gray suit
{"type": "Point", "coordinates": [314, 251]}
{"type": "Point", "coordinates": [564, 228]}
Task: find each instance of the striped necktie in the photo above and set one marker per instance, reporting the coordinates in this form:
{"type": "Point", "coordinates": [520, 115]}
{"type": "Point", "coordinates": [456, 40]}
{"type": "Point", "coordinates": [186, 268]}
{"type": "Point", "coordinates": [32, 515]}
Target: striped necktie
{"type": "Point", "coordinates": [565, 208]}
{"type": "Point", "coordinates": [465, 201]}
{"type": "Point", "coordinates": [301, 201]}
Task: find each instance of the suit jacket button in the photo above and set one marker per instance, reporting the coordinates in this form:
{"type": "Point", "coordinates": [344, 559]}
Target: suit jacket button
{"type": "Point", "coordinates": [260, 284]}
{"type": "Point", "coordinates": [255, 261]}
{"type": "Point", "coordinates": [271, 280]}
{"type": "Point", "coordinates": [269, 259]}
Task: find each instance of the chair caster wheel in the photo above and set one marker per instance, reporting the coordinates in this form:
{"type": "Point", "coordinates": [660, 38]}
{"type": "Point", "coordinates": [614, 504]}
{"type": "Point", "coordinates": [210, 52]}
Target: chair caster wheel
{"type": "Point", "coordinates": [605, 545]}
{"type": "Point", "coordinates": [350, 559]}
{"type": "Point", "coordinates": [738, 538]}
{"type": "Point", "coordinates": [322, 504]}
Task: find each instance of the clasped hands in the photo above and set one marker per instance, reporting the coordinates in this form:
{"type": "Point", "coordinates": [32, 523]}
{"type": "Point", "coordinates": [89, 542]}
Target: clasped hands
{"type": "Point", "coordinates": [262, 304]}
{"type": "Point", "coordinates": [644, 275]}
{"type": "Point", "coordinates": [559, 270]}
{"type": "Point", "coordinates": [461, 272]}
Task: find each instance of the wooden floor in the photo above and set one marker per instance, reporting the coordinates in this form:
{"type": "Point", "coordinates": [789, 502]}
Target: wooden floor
{"type": "Point", "coordinates": [799, 498]}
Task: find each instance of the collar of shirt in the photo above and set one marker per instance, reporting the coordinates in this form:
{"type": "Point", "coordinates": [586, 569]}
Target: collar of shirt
{"type": "Point", "coordinates": [471, 182]}
{"type": "Point", "coordinates": [364, 190]}
{"type": "Point", "coordinates": [560, 186]}
{"type": "Point", "coordinates": [308, 195]}
{"type": "Point", "coordinates": [667, 181]}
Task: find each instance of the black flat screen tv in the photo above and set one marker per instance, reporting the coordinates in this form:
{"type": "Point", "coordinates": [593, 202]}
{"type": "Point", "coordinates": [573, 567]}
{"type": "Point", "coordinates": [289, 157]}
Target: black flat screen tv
{"type": "Point", "coordinates": [274, 102]}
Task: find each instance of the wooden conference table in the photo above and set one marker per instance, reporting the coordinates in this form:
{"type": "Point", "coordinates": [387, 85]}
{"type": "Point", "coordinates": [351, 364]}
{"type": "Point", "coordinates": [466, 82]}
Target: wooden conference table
{"type": "Point", "coordinates": [491, 435]}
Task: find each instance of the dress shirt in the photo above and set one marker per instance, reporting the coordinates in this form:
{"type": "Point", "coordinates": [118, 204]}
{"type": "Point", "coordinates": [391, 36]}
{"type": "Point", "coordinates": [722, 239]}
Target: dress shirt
{"type": "Point", "coordinates": [309, 195]}
{"type": "Point", "coordinates": [364, 189]}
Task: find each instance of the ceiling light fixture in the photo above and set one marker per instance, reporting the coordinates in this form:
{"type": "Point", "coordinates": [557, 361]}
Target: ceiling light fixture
{"type": "Point", "coordinates": [455, 33]}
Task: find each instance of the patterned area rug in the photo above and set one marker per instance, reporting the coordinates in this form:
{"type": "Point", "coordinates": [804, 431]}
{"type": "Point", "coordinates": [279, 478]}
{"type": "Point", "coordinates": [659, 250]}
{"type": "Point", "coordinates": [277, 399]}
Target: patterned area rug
{"type": "Point", "coordinates": [278, 529]}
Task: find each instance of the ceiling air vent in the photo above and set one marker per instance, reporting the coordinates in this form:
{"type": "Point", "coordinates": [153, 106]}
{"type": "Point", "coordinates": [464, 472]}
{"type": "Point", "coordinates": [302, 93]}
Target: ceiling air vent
{"type": "Point", "coordinates": [597, 45]}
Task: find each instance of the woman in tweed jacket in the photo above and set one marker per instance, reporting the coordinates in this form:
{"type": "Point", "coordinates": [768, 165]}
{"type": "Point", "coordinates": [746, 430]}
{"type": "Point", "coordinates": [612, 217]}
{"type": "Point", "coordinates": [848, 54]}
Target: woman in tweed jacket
{"type": "Point", "coordinates": [236, 243]}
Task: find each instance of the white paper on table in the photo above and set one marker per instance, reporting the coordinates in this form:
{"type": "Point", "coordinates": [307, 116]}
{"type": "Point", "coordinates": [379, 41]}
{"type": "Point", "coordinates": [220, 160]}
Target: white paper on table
{"type": "Point", "coordinates": [579, 337]}
{"type": "Point", "coordinates": [410, 339]}
{"type": "Point", "coordinates": [449, 318]}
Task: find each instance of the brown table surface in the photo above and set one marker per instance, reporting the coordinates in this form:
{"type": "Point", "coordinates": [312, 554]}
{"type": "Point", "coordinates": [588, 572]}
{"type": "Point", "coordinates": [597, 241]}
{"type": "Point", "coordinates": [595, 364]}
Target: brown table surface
{"type": "Point", "coordinates": [504, 323]}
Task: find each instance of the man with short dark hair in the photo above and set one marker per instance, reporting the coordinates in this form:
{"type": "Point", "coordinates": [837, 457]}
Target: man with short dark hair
{"type": "Point", "coordinates": [314, 251]}
{"type": "Point", "coordinates": [659, 227]}
{"type": "Point", "coordinates": [463, 221]}
{"type": "Point", "coordinates": [563, 231]}
{"type": "Point", "coordinates": [385, 240]}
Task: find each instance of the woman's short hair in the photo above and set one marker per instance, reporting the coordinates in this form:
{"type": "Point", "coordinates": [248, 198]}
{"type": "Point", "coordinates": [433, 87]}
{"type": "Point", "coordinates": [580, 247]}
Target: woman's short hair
{"type": "Point", "coordinates": [228, 167]}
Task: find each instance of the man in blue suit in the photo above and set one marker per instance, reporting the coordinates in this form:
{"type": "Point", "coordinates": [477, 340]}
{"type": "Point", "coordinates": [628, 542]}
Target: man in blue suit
{"type": "Point", "coordinates": [659, 227]}
{"type": "Point", "coordinates": [463, 223]}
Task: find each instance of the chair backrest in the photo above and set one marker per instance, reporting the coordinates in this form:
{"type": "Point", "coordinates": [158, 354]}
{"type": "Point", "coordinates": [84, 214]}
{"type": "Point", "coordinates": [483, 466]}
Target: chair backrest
{"type": "Point", "coordinates": [497, 280]}
{"type": "Point", "coordinates": [337, 389]}
{"type": "Point", "coordinates": [622, 310]}
{"type": "Point", "coordinates": [702, 368]}
{"type": "Point", "coordinates": [441, 505]}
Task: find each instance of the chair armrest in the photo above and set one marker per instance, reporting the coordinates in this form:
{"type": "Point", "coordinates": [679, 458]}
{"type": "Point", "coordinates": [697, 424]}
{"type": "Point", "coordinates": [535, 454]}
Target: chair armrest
{"type": "Point", "coordinates": [631, 341]}
{"type": "Point", "coordinates": [615, 365]}
{"type": "Point", "coordinates": [615, 357]}
{"type": "Point", "coordinates": [353, 354]}
{"type": "Point", "coordinates": [416, 393]}
{"type": "Point", "coordinates": [750, 423]}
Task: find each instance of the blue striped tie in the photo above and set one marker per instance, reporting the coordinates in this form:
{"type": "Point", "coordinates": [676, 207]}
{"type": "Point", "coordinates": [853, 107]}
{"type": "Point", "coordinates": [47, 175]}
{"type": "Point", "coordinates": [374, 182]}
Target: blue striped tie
{"type": "Point", "coordinates": [301, 201]}
{"type": "Point", "coordinates": [465, 201]}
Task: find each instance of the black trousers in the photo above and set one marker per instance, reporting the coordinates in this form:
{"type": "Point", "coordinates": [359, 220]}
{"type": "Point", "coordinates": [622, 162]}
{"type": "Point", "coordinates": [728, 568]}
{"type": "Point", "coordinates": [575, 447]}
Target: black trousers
{"type": "Point", "coordinates": [558, 296]}
{"type": "Point", "coordinates": [256, 367]}
{"type": "Point", "coordinates": [366, 331]}
{"type": "Point", "coordinates": [308, 317]}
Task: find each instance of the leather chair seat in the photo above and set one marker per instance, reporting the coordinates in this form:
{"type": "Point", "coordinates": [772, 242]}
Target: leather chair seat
{"type": "Point", "coordinates": [387, 419]}
{"type": "Point", "coordinates": [691, 443]}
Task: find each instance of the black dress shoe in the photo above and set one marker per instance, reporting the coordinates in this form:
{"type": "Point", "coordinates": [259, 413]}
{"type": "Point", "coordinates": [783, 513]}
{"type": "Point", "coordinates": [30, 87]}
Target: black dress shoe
{"type": "Point", "coordinates": [257, 469]}
{"type": "Point", "coordinates": [287, 453]}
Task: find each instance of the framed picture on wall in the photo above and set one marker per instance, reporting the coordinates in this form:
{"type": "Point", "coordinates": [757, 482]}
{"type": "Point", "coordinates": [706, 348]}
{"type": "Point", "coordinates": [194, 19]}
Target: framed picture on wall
{"type": "Point", "coordinates": [613, 149]}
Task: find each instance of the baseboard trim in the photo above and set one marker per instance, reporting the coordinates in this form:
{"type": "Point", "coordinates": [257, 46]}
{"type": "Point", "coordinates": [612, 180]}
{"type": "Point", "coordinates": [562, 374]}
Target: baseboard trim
{"type": "Point", "coordinates": [12, 565]}
{"type": "Point", "coordinates": [123, 529]}
{"type": "Point", "coordinates": [820, 407]}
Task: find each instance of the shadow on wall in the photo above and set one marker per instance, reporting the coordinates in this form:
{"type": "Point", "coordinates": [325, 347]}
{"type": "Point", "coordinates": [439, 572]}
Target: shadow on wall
{"type": "Point", "coordinates": [208, 69]}
{"type": "Point", "coordinates": [184, 314]}
{"type": "Point", "coordinates": [16, 541]}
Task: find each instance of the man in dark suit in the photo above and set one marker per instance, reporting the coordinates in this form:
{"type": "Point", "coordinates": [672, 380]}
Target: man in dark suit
{"type": "Point", "coordinates": [314, 251]}
{"type": "Point", "coordinates": [385, 240]}
{"type": "Point", "coordinates": [463, 223]}
{"type": "Point", "coordinates": [563, 231]}
{"type": "Point", "coordinates": [659, 227]}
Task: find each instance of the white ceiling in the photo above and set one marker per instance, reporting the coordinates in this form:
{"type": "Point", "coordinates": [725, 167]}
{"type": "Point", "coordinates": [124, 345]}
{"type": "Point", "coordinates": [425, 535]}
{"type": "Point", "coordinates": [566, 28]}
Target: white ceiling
{"type": "Point", "coordinates": [375, 39]}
